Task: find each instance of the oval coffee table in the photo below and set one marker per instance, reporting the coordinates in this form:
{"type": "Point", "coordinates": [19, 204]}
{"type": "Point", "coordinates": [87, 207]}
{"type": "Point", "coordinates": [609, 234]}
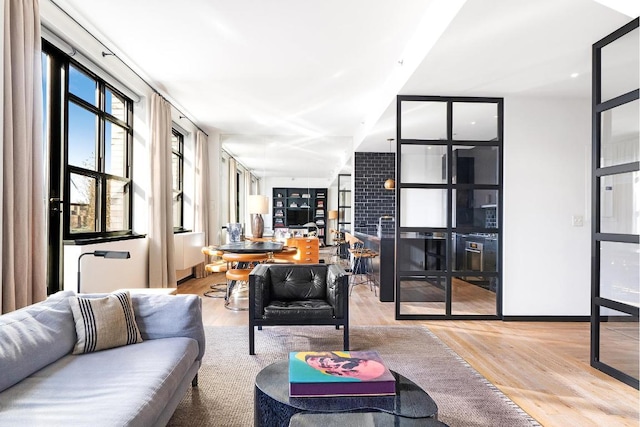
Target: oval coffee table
{"type": "Point", "coordinates": [274, 407]}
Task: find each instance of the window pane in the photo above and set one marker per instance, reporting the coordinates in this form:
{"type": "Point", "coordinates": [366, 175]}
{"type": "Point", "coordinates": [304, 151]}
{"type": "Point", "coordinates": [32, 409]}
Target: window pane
{"type": "Point", "coordinates": [423, 208]}
{"type": "Point", "coordinates": [177, 209]}
{"type": "Point", "coordinates": [114, 105]}
{"type": "Point", "coordinates": [175, 172]}
{"type": "Point", "coordinates": [620, 66]}
{"type": "Point", "coordinates": [422, 251]}
{"type": "Point", "coordinates": [620, 203]}
{"type": "Point", "coordinates": [424, 120]}
{"type": "Point", "coordinates": [175, 143]}
{"type": "Point", "coordinates": [475, 165]}
{"type": "Point", "coordinates": [475, 252]}
{"type": "Point", "coordinates": [117, 205]}
{"type": "Point", "coordinates": [83, 204]}
{"type": "Point", "coordinates": [423, 164]}
{"type": "Point", "coordinates": [619, 343]}
{"type": "Point", "coordinates": [422, 295]}
{"type": "Point", "coordinates": [620, 272]}
{"type": "Point", "coordinates": [115, 155]}
{"type": "Point", "coordinates": [82, 137]}
{"type": "Point", "coordinates": [481, 290]}
{"type": "Point", "coordinates": [475, 121]}
{"type": "Point", "coordinates": [82, 86]}
{"type": "Point", "coordinates": [475, 208]}
{"type": "Point", "coordinates": [620, 135]}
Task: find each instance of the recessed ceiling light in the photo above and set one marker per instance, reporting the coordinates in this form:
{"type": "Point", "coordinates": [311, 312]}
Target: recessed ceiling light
{"type": "Point", "coordinates": [473, 123]}
{"type": "Point", "coordinates": [574, 75]}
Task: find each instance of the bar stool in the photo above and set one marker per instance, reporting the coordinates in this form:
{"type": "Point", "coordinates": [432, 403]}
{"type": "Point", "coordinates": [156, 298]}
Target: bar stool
{"type": "Point", "coordinates": [218, 265]}
{"type": "Point", "coordinates": [338, 239]}
{"type": "Point", "coordinates": [362, 265]}
{"type": "Point", "coordinates": [244, 263]}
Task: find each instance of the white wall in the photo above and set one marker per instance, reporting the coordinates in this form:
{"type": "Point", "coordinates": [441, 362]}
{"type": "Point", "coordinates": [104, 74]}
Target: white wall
{"type": "Point", "coordinates": [546, 268]}
{"type": "Point", "coordinates": [106, 275]}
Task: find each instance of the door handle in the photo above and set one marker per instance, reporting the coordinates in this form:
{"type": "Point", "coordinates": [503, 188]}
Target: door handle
{"type": "Point", "coordinates": [55, 204]}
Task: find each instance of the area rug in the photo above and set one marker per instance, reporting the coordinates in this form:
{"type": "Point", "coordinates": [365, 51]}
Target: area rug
{"type": "Point", "coordinates": [224, 396]}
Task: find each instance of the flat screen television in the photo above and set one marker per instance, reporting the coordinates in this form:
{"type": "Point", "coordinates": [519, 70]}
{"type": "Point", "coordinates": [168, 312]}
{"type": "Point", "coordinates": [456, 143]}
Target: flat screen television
{"type": "Point", "coordinates": [298, 217]}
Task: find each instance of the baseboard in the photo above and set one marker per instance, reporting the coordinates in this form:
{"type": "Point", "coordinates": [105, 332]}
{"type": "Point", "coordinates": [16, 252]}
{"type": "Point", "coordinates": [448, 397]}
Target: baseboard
{"type": "Point", "coordinates": [546, 318]}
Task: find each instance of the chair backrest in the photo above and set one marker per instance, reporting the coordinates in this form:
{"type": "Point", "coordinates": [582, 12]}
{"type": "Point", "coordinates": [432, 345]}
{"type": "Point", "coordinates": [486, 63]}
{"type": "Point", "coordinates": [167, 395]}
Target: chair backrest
{"type": "Point", "coordinates": [351, 239]}
{"type": "Point", "coordinates": [298, 282]}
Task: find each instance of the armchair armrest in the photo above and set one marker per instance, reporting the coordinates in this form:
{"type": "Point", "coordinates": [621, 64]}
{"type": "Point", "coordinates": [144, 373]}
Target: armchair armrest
{"type": "Point", "coordinates": [337, 289]}
{"type": "Point", "coordinates": [259, 289]}
{"type": "Point", "coordinates": [165, 316]}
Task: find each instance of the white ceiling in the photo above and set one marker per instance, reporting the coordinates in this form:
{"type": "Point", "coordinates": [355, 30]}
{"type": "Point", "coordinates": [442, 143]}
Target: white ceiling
{"type": "Point", "coordinates": [293, 86]}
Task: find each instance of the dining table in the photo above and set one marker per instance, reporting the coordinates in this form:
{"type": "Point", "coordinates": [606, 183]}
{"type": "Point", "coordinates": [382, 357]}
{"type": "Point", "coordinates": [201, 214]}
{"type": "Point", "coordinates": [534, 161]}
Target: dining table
{"type": "Point", "coordinates": [251, 247]}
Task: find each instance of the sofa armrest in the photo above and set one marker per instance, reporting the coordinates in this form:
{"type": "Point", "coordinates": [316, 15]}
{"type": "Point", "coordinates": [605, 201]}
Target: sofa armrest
{"type": "Point", "coordinates": [165, 316]}
{"type": "Point", "coordinates": [259, 290]}
{"type": "Point", "coordinates": [337, 289]}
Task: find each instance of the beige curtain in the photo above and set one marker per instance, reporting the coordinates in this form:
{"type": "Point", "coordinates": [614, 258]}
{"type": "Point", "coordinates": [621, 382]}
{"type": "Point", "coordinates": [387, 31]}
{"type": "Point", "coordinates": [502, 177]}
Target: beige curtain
{"type": "Point", "coordinates": [202, 195]}
{"type": "Point", "coordinates": [162, 273]}
{"type": "Point", "coordinates": [23, 236]}
{"type": "Point", "coordinates": [233, 191]}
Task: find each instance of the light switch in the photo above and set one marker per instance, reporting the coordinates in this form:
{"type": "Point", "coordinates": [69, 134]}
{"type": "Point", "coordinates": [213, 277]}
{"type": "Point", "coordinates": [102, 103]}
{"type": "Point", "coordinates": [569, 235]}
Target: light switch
{"type": "Point", "coordinates": [577, 220]}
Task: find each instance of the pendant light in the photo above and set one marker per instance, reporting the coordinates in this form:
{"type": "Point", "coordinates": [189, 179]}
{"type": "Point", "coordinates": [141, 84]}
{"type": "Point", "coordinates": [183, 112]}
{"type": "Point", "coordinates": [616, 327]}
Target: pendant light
{"type": "Point", "coordinates": [390, 184]}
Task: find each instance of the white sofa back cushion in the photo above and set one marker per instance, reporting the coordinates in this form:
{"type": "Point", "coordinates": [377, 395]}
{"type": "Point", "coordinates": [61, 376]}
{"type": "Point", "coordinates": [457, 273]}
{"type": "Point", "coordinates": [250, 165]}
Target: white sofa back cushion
{"type": "Point", "coordinates": [35, 336]}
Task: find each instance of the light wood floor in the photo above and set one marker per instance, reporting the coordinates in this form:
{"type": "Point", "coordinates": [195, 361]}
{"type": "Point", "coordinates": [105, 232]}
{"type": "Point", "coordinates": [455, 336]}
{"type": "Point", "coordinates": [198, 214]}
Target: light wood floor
{"type": "Point", "coordinates": [543, 367]}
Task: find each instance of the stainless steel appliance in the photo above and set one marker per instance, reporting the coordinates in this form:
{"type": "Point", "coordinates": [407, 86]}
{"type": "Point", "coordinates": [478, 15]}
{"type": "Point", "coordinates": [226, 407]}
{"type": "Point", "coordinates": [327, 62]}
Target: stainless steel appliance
{"type": "Point", "coordinates": [473, 256]}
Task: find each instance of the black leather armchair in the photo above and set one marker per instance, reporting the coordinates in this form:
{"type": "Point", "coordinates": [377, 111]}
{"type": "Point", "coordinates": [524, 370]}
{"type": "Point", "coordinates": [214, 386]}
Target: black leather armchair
{"type": "Point", "coordinates": [298, 294]}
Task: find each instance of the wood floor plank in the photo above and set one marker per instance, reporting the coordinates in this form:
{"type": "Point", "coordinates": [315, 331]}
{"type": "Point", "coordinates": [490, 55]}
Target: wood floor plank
{"type": "Point", "coordinates": [542, 366]}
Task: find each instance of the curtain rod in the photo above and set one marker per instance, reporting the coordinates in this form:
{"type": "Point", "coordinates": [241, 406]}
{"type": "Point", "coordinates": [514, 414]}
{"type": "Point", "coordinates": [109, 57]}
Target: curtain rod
{"type": "Point", "coordinates": [109, 53]}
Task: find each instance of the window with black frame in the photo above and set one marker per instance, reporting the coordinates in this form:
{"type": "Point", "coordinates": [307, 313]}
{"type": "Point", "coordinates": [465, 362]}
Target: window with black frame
{"type": "Point", "coordinates": [97, 151]}
{"type": "Point", "coordinates": [177, 169]}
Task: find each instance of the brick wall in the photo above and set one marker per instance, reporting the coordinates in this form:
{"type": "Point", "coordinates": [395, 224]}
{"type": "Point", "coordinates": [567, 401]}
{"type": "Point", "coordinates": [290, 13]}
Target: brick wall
{"type": "Point", "coordinates": [371, 199]}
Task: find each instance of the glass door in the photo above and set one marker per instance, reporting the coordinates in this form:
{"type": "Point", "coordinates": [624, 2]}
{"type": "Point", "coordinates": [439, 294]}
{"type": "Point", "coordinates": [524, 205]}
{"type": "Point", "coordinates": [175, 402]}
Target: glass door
{"type": "Point", "coordinates": [449, 192]}
{"type": "Point", "coordinates": [615, 280]}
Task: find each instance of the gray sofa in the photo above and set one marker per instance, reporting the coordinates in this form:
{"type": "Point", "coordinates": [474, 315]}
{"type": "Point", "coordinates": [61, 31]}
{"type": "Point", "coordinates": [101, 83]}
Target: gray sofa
{"type": "Point", "coordinates": [43, 384]}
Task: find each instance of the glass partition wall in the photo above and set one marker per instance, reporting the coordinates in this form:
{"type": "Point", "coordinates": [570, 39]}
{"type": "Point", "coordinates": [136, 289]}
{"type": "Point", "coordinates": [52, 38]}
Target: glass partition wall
{"type": "Point", "coordinates": [449, 204]}
{"type": "Point", "coordinates": [615, 279]}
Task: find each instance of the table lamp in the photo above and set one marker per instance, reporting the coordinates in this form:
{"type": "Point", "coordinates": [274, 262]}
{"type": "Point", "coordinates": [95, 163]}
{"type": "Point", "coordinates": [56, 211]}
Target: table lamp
{"type": "Point", "coordinates": [333, 215]}
{"type": "Point", "coordinates": [258, 205]}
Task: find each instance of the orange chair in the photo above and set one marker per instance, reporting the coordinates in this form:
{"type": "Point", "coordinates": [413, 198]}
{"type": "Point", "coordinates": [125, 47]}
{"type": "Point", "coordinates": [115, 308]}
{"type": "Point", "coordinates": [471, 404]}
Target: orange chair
{"type": "Point", "coordinates": [217, 265]}
{"type": "Point", "coordinates": [238, 276]}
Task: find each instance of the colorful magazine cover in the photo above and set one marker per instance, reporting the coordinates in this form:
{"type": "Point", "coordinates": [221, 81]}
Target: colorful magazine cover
{"type": "Point", "coordinates": [338, 373]}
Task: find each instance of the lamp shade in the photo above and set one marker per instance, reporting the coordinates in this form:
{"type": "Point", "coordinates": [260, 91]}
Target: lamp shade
{"type": "Point", "coordinates": [333, 214]}
{"type": "Point", "coordinates": [258, 204]}
{"type": "Point", "coordinates": [390, 184]}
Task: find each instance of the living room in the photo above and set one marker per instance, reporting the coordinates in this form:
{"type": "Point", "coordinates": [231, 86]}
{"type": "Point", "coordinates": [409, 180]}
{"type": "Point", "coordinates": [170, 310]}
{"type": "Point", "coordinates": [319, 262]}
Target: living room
{"type": "Point", "coordinates": [546, 274]}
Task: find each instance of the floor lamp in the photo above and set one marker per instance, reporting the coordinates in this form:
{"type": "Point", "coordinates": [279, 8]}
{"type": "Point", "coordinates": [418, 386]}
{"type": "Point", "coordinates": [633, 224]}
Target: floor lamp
{"type": "Point", "coordinates": [258, 205]}
{"type": "Point", "coordinates": [103, 254]}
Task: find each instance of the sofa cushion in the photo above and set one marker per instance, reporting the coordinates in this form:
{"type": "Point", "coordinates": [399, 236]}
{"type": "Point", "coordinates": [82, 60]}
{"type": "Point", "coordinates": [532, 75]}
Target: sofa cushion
{"type": "Point", "coordinates": [289, 284]}
{"type": "Point", "coordinates": [124, 386]}
{"type": "Point", "coordinates": [165, 316]}
{"type": "Point", "coordinates": [103, 323]}
{"type": "Point", "coordinates": [304, 310]}
{"type": "Point", "coordinates": [35, 336]}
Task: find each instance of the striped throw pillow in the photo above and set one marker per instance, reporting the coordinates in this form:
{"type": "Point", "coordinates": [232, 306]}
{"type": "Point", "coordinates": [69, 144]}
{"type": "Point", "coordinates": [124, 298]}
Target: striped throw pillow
{"type": "Point", "coordinates": [103, 323]}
